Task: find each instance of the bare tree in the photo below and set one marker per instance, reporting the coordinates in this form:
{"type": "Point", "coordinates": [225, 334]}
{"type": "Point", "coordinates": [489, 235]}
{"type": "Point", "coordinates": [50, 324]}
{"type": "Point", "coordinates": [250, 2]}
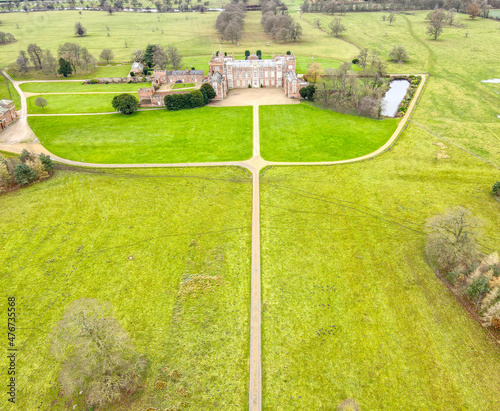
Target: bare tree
{"type": "Point", "coordinates": [36, 53]}
{"type": "Point", "coordinates": [22, 62]}
{"type": "Point", "coordinates": [399, 54]}
{"type": "Point", "coordinates": [391, 18]}
{"type": "Point", "coordinates": [450, 16]}
{"type": "Point", "coordinates": [452, 238]}
{"type": "Point", "coordinates": [336, 27]}
{"type": "Point", "coordinates": [49, 63]}
{"type": "Point", "coordinates": [160, 57]}
{"type": "Point", "coordinates": [41, 102]}
{"type": "Point", "coordinates": [79, 29]}
{"type": "Point", "coordinates": [473, 10]}
{"type": "Point", "coordinates": [70, 52]}
{"type": "Point", "coordinates": [232, 32]}
{"type": "Point", "coordinates": [96, 354]}
{"type": "Point", "coordinates": [87, 59]}
{"type": "Point", "coordinates": [107, 54]}
{"type": "Point", "coordinates": [138, 55]}
{"type": "Point", "coordinates": [174, 57]}
{"type": "Point", "coordinates": [435, 28]}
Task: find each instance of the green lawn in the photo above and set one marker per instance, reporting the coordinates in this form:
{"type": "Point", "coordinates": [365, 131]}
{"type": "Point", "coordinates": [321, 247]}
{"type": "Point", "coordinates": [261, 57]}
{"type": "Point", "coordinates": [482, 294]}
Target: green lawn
{"type": "Point", "coordinates": [455, 103]}
{"type": "Point", "coordinates": [314, 134]}
{"type": "Point", "coordinates": [132, 238]}
{"type": "Point", "coordinates": [183, 85]}
{"type": "Point", "coordinates": [73, 103]}
{"type": "Point", "coordinates": [350, 307]}
{"type": "Point", "coordinates": [76, 87]}
{"type": "Point", "coordinates": [8, 92]}
{"type": "Point", "coordinates": [160, 136]}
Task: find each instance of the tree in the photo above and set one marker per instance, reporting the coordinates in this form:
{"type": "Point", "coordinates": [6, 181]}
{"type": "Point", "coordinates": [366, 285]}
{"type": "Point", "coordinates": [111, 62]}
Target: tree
{"type": "Point", "coordinates": [160, 58]}
{"type": "Point", "coordinates": [305, 7]}
{"type": "Point", "coordinates": [96, 354]}
{"type": "Point", "coordinates": [391, 18]}
{"type": "Point", "coordinates": [398, 53]}
{"type": "Point", "coordinates": [64, 67]}
{"type": "Point", "coordinates": [435, 28]}
{"type": "Point", "coordinates": [107, 54]}
{"type": "Point", "coordinates": [49, 63]}
{"type": "Point", "coordinates": [452, 238]}
{"type": "Point", "coordinates": [148, 54]}
{"type": "Point", "coordinates": [80, 30]}
{"type": "Point", "coordinates": [209, 89]}
{"type": "Point", "coordinates": [450, 16]}
{"type": "Point", "coordinates": [70, 52]}
{"type": "Point", "coordinates": [86, 59]}
{"type": "Point", "coordinates": [232, 32]}
{"type": "Point", "coordinates": [197, 98]}
{"type": "Point", "coordinates": [473, 10]}
{"type": "Point", "coordinates": [336, 27]}
{"type": "Point", "coordinates": [307, 93]}
{"type": "Point", "coordinates": [22, 62]}
{"type": "Point", "coordinates": [36, 54]}
{"type": "Point", "coordinates": [41, 102]}
{"type": "Point", "coordinates": [314, 72]}
{"type": "Point", "coordinates": [24, 175]}
{"type": "Point", "coordinates": [126, 103]}
{"type": "Point", "coordinates": [47, 162]}
{"type": "Point", "coordinates": [174, 57]}
{"type": "Point", "coordinates": [496, 189]}
{"type": "Point", "coordinates": [138, 55]}
{"type": "Point", "coordinates": [296, 33]}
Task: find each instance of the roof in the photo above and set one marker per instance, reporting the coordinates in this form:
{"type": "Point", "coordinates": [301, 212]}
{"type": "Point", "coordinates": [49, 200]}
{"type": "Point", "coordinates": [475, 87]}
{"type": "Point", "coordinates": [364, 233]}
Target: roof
{"type": "Point", "coordinates": [137, 65]}
{"type": "Point", "coordinates": [181, 72]}
{"type": "Point", "coordinates": [5, 102]}
{"type": "Point", "coordinates": [217, 77]}
{"type": "Point", "coordinates": [4, 110]}
{"type": "Point", "coordinates": [250, 63]}
{"type": "Point", "coordinates": [291, 76]}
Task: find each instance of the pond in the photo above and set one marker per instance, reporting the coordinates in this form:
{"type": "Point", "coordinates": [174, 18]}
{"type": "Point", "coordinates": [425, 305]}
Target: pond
{"type": "Point", "coordinates": [491, 80]}
{"type": "Point", "coordinates": [392, 99]}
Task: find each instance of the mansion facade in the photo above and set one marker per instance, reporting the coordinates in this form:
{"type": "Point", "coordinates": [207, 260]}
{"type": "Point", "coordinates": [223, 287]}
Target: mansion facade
{"type": "Point", "coordinates": [227, 73]}
{"type": "Point", "coordinates": [7, 113]}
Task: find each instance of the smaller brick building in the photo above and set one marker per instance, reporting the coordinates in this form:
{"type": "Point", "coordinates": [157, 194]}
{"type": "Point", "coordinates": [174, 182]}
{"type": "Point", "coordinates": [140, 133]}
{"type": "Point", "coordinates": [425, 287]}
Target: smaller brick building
{"type": "Point", "coordinates": [7, 113]}
{"type": "Point", "coordinates": [185, 76]}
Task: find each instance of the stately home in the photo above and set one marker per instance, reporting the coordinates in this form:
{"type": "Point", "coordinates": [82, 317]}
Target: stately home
{"type": "Point", "coordinates": [226, 73]}
{"type": "Point", "coordinates": [7, 113]}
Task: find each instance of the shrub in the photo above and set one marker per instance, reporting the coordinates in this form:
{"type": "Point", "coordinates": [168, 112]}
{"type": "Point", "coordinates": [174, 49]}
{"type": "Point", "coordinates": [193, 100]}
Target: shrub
{"type": "Point", "coordinates": [25, 156]}
{"type": "Point", "coordinates": [355, 61]}
{"type": "Point", "coordinates": [478, 287]}
{"type": "Point", "coordinates": [132, 74]}
{"type": "Point", "coordinates": [209, 89]}
{"type": "Point", "coordinates": [197, 99]}
{"type": "Point", "coordinates": [23, 174]}
{"type": "Point", "coordinates": [126, 103]}
{"type": "Point", "coordinates": [249, 86]}
{"type": "Point", "coordinates": [205, 96]}
{"type": "Point", "coordinates": [47, 163]}
{"type": "Point", "coordinates": [452, 276]}
{"type": "Point", "coordinates": [496, 189]}
{"type": "Point", "coordinates": [288, 53]}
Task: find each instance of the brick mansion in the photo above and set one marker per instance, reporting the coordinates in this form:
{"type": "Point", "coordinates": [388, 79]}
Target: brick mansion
{"type": "Point", "coordinates": [226, 73]}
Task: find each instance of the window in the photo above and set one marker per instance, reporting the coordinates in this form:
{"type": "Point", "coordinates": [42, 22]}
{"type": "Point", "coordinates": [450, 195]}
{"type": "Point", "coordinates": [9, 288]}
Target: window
{"type": "Point", "coordinates": [266, 74]}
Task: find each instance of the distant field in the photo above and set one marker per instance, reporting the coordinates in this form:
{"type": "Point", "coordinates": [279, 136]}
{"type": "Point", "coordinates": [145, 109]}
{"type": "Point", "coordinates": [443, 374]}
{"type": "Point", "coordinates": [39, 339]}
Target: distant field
{"type": "Point", "coordinates": [160, 136]}
{"type": "Point", "coordinates": [8, 92]}
{"type": "Point", "coordinates": [192, 33]}
{"type": "Point", "coordinates": [75, 87]}
{"type": "Point", "coordinates": [134, 239]}
{"type": "Point", "coordinates": [73, 103]}
{"type": "Point", "coordinates": [312, 134]}
{"type": "Point", "coordinates": [350, 307]}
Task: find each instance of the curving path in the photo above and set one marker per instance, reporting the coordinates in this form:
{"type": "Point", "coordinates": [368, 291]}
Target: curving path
{"type": "Point", "coordinates": [19, 136]}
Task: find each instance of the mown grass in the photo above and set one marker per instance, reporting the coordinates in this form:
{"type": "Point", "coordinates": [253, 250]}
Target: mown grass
{"type": "Point", "coordinates": [314, 134]}
{"type": "Point", "coordinates": [351, 309]}
{"type": "Point", "coordinates": [183, 85]}
{"type": "Point", "coordinates": [160, 136]}
{"type": "Point", "coordinates": [134, 238]}
{"type": "Point", "coordinates": [8, 92]}
{"type": "Point", "coordinates": [455, 104]}
{"type": "Point", "coordinates": [73, 103]}
{"type": "Point", "coordinates": [75, 87]}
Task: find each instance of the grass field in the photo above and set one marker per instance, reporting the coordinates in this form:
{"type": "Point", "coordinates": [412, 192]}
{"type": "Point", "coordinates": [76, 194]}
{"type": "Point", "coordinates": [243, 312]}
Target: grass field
{"type": "Point", "coordinates": [156, 136]}
{"type": "Point", "coordinates": [350, 307]}
{"type": "Point", "coordinates": [495, 13]}
{"type": "Point", "coordinates": [73, 104]}
{"type": "Point", "coordinates": [8, 92]}
{"type": "Point", "coordinates": [133, 238]}
{"type": "Point", "coordinates": [192, 33]}
{"type": "Point", "coordinates": [455, 104]}
{"type": "Point", "coordinates": [313, 134]}
{"type": "Point", "coordinates": [183, 85]}
{"type": "Point", "coordinates": [75, 87]}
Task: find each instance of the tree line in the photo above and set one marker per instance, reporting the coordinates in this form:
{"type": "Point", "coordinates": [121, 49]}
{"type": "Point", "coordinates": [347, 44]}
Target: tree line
{"type": "Point", "coordinates": [277, 23]}
{"type": "Point", "coordinates": [193, 99]}
{"type": "Point", "coordinates": [341, 7]}
{"type": "Point", "coordinates": [230, 22]}
{"type": "Point", "coordinates": [70, 58]}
